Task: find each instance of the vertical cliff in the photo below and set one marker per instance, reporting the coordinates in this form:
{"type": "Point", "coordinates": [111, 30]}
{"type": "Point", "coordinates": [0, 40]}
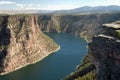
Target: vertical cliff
{"type": "Point", "coordinates": [22, 42]}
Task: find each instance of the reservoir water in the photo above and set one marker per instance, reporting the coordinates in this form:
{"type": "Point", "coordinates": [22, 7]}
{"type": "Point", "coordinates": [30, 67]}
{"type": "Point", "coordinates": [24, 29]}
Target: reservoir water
{"type": "Point", "coordinates": [57, 65]}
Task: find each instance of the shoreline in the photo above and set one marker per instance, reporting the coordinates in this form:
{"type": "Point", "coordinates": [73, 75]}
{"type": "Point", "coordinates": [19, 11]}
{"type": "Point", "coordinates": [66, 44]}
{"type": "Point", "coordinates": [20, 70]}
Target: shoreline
{"type": "Point", "coordinates": [2, 74]}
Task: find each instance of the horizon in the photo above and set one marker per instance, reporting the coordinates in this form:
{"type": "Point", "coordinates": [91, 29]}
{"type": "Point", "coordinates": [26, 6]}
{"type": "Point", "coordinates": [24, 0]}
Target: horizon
{"type": "Point", "coordinates": [53, 4]}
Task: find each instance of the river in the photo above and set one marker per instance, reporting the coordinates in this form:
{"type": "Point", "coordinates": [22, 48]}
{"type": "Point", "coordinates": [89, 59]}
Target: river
{"type": "Point", "coordinates": [57, 65]}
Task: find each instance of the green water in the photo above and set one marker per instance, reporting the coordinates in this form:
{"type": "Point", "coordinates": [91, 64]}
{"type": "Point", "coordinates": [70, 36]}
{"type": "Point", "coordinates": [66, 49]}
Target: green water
{"type": "Point", "coordinates": [57, 65]}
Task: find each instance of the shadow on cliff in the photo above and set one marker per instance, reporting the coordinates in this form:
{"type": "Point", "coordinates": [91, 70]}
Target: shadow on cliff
{"type": "Point", "coordinates": [21, 22]}
{"type": "Point", "coordinates": [4, 40]}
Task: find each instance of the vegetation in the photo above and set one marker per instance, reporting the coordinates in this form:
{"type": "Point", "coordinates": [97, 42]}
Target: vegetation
{"type": "Point", "coordinates": [82, 72]}
{"type": "Point", "coordinates": [118, 33]}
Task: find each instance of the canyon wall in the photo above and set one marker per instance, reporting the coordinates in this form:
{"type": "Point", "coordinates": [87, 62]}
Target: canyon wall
{"type": "Point", "coordinates": [22, 42]}
{"type": "Point", "coordinates": [103, 59]}
{"type": "Point", "coordinates": [86, 25]}
{"type": "Point", "coordinates": [104, 52]}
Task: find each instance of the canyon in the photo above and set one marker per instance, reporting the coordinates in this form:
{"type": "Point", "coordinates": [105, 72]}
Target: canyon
{"type": "Point", "coordinates": [23, 33]}
{"type": "Point", "coordinates": [103, 42]}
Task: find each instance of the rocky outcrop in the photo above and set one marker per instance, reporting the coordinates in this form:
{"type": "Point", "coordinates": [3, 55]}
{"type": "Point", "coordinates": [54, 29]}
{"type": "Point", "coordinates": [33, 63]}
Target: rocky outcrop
{"type": "Point", "coordinates": [22, 42]}
{"type": "Point", "coordinates": [85, 25]}
{"type": "Point", "coordinates": [104, 51]}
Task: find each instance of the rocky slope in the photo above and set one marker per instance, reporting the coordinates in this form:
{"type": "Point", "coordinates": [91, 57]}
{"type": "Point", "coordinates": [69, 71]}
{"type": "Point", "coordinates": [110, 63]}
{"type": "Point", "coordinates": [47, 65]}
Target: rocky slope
{"type": "Point", "coordinates": [103, 60]}
{"type": "Point", "coordinates": [22, 42]}
{"type": "Point", "coordinates": [85, 25]}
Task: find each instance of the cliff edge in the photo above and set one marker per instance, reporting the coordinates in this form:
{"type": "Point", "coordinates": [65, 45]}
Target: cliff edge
{"type": "Point", "coordinates": [103, 59]}
{"type": "Point", "coordinates": [104, 52]}
{"type": "Point", "coordinates": [22, 42]}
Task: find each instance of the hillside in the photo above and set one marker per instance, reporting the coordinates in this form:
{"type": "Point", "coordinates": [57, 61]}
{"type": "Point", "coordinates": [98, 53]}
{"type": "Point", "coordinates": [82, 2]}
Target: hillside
{"type": "Point", "coordinates": [88, 9]}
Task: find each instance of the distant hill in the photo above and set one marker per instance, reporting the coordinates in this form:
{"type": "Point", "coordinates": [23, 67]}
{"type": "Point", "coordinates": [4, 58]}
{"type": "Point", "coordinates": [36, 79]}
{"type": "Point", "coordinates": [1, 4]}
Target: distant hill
{"type": "Point", "coordinates": [88, 9]}
{"type": "Point", "coordinates": [85, 9]}
{"type": "Point", "coordinates": [24, 11]}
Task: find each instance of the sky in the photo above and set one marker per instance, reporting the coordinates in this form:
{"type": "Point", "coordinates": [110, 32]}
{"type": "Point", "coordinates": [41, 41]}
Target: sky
{"type": "Point", "coordinates": [53, 4]}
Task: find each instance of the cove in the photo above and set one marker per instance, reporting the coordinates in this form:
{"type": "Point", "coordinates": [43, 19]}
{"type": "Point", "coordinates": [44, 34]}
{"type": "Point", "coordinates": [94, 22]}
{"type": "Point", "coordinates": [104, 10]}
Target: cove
{"type": "Point", "coordinates": [57, 65]}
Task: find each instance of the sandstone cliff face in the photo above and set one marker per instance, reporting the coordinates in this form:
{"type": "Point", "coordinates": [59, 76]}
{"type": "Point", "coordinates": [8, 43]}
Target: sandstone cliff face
{"type": "Point", "coordinates": [86, 25]}
{"type": "Point", "coordinates": [22, 42]}
{"type": "Point", "coordinates": [104, 52]}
